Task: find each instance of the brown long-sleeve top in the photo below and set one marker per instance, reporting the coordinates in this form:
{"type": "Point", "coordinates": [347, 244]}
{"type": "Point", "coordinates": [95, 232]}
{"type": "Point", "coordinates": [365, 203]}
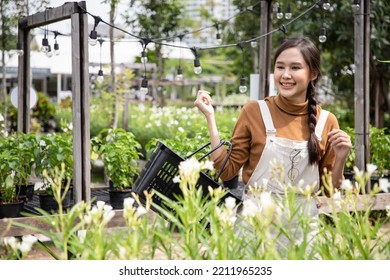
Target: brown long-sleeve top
{"type": "Point", "coordinates": [249, 136]}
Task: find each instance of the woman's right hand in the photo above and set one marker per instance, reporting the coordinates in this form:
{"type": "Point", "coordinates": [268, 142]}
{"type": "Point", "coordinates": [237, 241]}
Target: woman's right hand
{"type": "Point", "coordinates": [203, 102]}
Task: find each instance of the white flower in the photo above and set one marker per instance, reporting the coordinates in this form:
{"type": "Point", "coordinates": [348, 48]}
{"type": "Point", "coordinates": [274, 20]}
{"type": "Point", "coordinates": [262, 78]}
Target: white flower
{"type": "Point", "coordinates": [180, 129]}
{"type": "Point", "coordinates": [128, 202]}
{"type": "Point", "coordinates": [176, 179]}
{"type": "Point", "coordinates": [42, 143]}
{"type": "Point", "coordinates": [81, 235]}
{"type": "Point", "coordinates": [11, 241]}
{"type": "Point", "coordinates": [208, 165]}
{"type": "Point", "coordinates": [141, 211]}
{"type": "Point", "coordinates": [266, 200]}
{"type": "Point", "coordinates": [190, 166]}
{"type": "Point", "coordinates": [250, 208]}
{"type": "Point", "coordinates": [346, 185]}
{"type": "Point", "coordinates": [371, 168]}
{"type": "Point", "coordinates": [230, 202]}
{"type": "Point", "coordinates": [384, 184]}
{"type": "Point", "coordinates": [388, 210]}
{"type": "Point", "coordinates": [1, 118]}
{"type": "Point", "coordinates": [100, 204]}
{"type": "Point", "coordinates": [24, 247]}
{"type": "Point", "coordinates": [337, 198]}
{"type": "Point", "coordinates": [108, 215]}
{"type": "Point", "coordinates": [29, 239]}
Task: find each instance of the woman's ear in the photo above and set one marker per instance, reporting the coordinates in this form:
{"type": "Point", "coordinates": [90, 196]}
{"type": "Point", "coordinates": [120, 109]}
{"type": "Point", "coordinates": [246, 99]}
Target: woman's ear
{"type": "Point", "coordinates": [314, 76]}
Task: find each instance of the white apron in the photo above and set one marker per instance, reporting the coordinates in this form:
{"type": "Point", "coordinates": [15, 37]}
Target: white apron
{"type": "Point", "coordinates": [293, 154]}
{"type": "Point", "coordinates": [294, 157]}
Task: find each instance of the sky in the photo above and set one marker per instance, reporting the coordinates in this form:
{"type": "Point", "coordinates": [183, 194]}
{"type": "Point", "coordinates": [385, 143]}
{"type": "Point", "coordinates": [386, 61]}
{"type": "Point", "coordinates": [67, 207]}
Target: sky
{"type": "Point", "coordinates": [95, 7]}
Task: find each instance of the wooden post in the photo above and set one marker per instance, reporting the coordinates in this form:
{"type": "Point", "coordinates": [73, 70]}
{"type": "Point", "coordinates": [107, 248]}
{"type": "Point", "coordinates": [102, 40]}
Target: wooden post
{"type": "Point", "coordinates": [265, 48]}
{"type": "Point", "coordinates": [80, 85]}
{"type": "Point", "coordinates": [361, 85]}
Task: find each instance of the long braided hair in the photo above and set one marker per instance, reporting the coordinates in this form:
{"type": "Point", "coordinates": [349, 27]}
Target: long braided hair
{"type": "Point", "coordinates": [312, 57]}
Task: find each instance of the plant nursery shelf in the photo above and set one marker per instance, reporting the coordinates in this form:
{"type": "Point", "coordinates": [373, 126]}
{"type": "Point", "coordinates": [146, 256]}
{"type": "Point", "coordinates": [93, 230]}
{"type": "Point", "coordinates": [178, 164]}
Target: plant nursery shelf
{"type": "Point", "coordinates": [377, 202]}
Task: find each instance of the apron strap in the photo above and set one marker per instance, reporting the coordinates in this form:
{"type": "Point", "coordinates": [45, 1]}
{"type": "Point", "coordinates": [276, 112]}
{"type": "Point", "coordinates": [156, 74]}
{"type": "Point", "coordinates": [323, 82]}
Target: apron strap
{"type": "Point", "coordinates": [267, 119]}
{"type": "Point", "coordinates": [321, 124]}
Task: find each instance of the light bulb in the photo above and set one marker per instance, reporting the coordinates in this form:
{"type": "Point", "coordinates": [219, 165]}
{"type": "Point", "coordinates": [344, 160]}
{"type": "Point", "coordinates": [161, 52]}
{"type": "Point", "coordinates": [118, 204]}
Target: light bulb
{"type": "Point", "coordinates": [288, 13]}
{"type": "Point", "coordinates": [19, 50]}
{"type": "Point", "coordinates": [144, 86]}
{"type": "Point", "coordinates": [45, 45]}
{"type": "Point", "coordinates": [179, 75]}
{"type": "Point", "coordinates": [326, 5]}
{"type": "Point", "coordinates": [322, 38]}
{"type": "Point", "coordinates": [356, 6]}
{"type": "Point", "coordinates": [242, 87]}
{"type": "Point", "coordinates": [279, 14]}
{"type": "Point", "coordinates": [100, 76]}
{"type": "Point", "coordinates": [197, 67]}
{"type": "Point", "coordinates": [49, 53]}
{"type": "Point", "coordinates": [144, 58]}
{"type": "Point", "coordinates": [93, 38]}
{"type": "Point", "coordinates": [254, 44]}
{"type": "Point", "coordinates": [56, 49]}
{"type": "Point", "coordinates": [218, 39]}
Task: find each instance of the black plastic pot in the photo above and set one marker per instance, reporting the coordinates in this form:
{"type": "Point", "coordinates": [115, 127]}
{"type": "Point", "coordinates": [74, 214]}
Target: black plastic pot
{"type": "Point", "coordinates": [118, 196]}
{"type": "Point", "coordinates": [49, 204]}
{"type": "Point", "coordinates": [11, 210]}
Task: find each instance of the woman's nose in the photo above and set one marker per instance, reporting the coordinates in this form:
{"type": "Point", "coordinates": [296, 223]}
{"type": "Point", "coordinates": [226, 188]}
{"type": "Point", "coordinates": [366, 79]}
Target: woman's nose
{"type": "Point", "coordinates": [286, 74]}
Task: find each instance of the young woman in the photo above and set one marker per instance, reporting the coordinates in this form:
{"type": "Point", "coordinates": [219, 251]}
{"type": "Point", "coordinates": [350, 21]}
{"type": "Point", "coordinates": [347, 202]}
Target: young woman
{"type": "Point", "coordinates": [290, 128]}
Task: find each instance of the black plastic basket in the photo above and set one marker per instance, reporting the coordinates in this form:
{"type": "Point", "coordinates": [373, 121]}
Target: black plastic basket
{"type": "Point", "coordinates": [163, 166]}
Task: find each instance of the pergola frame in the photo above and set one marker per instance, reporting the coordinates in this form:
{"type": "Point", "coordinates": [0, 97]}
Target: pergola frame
{"type": "Point", "coordinates": [80, 86]}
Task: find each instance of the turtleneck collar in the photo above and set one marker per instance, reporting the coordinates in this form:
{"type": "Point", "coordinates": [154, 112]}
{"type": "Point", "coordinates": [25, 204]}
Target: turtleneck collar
{"type": "Point", "coordinates": [291, 108]}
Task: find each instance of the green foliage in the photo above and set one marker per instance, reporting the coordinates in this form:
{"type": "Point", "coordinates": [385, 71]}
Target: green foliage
{"type": "Point", "coordinates": [55, 151]}
{"type": "Point", "coordinates": [214, 228]}
{"type": "Point", "coordinates": [120, 153]}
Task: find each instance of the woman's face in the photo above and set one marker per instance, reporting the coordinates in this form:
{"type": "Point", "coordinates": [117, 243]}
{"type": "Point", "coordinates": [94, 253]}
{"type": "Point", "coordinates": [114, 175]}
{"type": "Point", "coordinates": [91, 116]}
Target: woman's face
{"type": "Point", "coordinates": [292, 75]}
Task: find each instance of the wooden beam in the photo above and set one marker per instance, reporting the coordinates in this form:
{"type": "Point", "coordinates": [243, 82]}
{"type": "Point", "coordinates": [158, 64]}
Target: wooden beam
{"type": "Point", "coordinates": [265, 48]}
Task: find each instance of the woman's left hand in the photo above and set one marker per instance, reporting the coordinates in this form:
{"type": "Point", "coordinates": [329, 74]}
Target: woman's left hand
{"type": "Point", "coordinates": [340, 141]}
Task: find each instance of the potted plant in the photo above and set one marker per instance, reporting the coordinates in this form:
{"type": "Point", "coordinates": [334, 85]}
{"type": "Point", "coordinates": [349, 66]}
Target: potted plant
{"type": "Point", "coordinates": [56, 150]}
{"type": "Point", "coordinates": [119, 152]}
{"type": "Point", "coordinates": [10, 204]}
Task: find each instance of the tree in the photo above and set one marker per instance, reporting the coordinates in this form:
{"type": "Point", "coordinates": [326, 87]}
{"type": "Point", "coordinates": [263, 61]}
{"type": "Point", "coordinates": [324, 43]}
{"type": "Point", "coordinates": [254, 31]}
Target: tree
{"type": "Point", "coordinates": [338, 50]}
{"type": "Point", "coordinates": [10, 12]}
{"type": "Point", "coordinates": [157, 20]}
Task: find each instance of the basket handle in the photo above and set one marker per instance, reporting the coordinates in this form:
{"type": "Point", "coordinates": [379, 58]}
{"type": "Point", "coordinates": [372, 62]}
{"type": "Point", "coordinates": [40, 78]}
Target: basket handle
{"type": "Point", "coordinates": [222, 142]}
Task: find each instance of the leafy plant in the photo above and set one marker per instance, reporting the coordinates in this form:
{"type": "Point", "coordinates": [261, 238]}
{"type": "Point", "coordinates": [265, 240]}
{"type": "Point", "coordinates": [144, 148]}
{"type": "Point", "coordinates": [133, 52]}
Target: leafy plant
{"type": "Point", "coordinates": [120, 153]}
{"type": "Point", "coordinates": [54, 151]}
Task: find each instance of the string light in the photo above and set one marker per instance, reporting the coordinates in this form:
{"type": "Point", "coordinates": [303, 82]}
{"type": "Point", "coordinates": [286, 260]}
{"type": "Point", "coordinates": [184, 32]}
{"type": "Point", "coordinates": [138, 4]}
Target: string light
{"type": "Point", "coordinates": [218, 35]}
{"type": "Point", "coordinates": [288, 14]}
{"type": "Point", "coordinates": [322, 37]}
{"type": "Point", "coordinates": [326, 5]}
{"type": "Point", "coordinates": [144, 86]}
{"type": "Point", "coordinates": [100, 76]}
{"type": "Point", "coordinates": [45, 44]}
{"type": "Point", "coordinates": [279, 14]}
{"type": "Point", "coordinates": [144, 58]}
{"type": "Point", "coordinates": [254, 42]}
{"type": "Point", "coordinates": [56, 46]}
{"type": "Point", "coordinates": [179, 75]}
{"type": "Point", "coordinates": [197, 66]}
{"type": "Point", "coordinates": [49, 52]}
{"type": "Point", "coordinates": [19, 50]}
{"type": "Point", "coordinates": [356, 6]}
{"type": "Point", "coordinates": [242, 88]}
{"type": "Point", "coordinates": [93, 35]}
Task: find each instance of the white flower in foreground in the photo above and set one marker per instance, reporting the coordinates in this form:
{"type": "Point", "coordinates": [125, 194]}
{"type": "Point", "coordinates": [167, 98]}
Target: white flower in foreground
{"type": "Point", "coordinates": [384, 184]}
{"type": "Point", "coordinates": [337, 198]}
{"type": "Point", "coordinates": [346, 185]}
{"type": "Point", "coordinates": [81, 235]}
{"type": "Point", "coordinates": [100, 204]}
{"type": "Point", "coordinates": [371, 168]}
{"type": "Point", "coordinates": [11, 241]}
{"type": "Point", "coordinates": [29, 239]}
{"type": "Point", "coordinates": [266, 200]}
{"type": "Point", "coordinates": [141, 211]}
{"type": "Point", "coordinates": [388, 210]}
{"type": "Point", "coordinates": [108, 215]}
{"type": "Point", "coordinates": [230, 202]}
{"type": "Point", "coordinates": [189, 167]}
{"type": "Point", "coordinates": [1, 118]}
{"type": "Point", "coordinates": [250, 208]}
{"type": "Point", "coordinates": [128, 202]}
{"type": "Point", "coordinates": [208, 165]}
{"type": "Point", "coordinates": [176, 179]}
